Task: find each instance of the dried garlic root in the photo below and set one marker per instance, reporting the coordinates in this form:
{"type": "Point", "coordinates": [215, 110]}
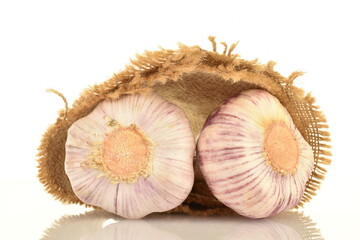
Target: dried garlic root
{"type": "Point", "coordinates": [131, 156]}
{"type": "Point", "coordinates": [252, 156]}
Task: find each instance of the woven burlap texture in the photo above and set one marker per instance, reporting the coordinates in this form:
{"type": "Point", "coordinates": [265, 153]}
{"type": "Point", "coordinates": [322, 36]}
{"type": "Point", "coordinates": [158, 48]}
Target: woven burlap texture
{"type": "Point", "coordinates": [197, 81]}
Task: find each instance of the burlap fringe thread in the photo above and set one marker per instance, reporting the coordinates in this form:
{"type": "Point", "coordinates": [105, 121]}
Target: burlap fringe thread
{"type": "Point", "coordinates": [153, 71]}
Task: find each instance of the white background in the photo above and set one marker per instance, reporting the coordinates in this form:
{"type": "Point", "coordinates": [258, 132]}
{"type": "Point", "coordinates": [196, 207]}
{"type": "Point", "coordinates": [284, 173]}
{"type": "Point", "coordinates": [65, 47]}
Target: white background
{"type": "Point", "coordinates": [70, 45]}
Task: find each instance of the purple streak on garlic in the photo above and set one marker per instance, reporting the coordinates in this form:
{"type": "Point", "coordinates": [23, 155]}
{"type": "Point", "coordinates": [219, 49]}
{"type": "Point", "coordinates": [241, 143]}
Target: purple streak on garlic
{"type": "Point", "coordinates": [252, 156]}
{"type": "Point", "coordinates": [131, 156]}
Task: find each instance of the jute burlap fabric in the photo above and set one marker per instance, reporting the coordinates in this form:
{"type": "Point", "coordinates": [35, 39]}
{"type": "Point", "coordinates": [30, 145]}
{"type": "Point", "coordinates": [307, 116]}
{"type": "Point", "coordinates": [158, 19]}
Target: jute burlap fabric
{"type": "Point", "coordinates": [197, 81]}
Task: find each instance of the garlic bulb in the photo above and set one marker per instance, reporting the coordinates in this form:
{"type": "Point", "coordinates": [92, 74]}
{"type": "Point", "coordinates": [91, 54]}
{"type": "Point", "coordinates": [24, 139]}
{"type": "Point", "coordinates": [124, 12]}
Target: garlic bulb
{"type": "Point", "coordinates": [252, 156]}
{"type": "Point", "coordinates": [131, 156]}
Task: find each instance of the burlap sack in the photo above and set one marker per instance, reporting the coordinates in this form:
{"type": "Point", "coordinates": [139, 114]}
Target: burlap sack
{"type": "Point", "coordinates": [197, 81]}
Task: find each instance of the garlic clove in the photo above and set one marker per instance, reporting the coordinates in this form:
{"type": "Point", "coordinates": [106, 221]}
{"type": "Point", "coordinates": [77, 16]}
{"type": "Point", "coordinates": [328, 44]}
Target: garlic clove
{"type": "Point", "coordinates": [132, 156]}
{"type": "Point", "coordinates": [252, 156]}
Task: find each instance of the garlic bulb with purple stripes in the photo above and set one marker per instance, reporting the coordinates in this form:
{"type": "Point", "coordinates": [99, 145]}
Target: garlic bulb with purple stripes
{"type": "Point", "coordinates": [131, 156]}
{"type": "Point", "coordinates": [252, 156]}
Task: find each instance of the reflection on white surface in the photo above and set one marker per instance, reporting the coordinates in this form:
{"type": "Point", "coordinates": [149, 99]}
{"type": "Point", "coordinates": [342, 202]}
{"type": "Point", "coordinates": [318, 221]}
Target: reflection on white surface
{"type": "Point", "coordinates": [94, 225]}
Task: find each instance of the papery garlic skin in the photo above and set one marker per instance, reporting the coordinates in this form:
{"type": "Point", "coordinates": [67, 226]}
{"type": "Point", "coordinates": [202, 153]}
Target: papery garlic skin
{"type": "Point", "coordinates": [238, 163]}
{"type": "Point", "coordinates": [163, 184]}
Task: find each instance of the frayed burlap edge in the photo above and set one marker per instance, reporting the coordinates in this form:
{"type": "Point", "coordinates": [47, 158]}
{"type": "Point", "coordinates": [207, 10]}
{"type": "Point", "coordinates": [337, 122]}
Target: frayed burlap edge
{"type": "Point", "coordinates": [158, 67]}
